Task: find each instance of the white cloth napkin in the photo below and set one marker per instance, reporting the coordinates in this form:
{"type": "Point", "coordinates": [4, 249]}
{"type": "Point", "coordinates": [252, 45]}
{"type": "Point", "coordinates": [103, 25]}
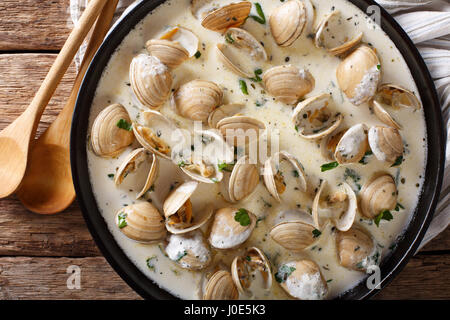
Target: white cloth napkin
{"type": "Point", "coordinates": [428, 25]}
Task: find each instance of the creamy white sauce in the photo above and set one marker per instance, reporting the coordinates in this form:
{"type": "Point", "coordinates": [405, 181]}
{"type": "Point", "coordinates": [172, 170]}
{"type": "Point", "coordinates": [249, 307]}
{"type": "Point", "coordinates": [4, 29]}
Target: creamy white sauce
{"type": "Point", "coordinates": [114, 88]}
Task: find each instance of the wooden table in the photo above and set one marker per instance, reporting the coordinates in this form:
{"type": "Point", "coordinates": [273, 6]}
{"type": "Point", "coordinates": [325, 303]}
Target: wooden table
{"type": "Point", "coordinates": [36, 250]}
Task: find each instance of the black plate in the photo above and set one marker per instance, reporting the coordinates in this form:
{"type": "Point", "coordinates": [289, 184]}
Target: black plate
{"type": "Point", "coordinates": [390, 266]}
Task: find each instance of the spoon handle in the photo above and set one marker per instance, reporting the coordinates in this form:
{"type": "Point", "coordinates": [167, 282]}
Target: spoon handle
{"type": "Point", "coordinates": [63, 61]}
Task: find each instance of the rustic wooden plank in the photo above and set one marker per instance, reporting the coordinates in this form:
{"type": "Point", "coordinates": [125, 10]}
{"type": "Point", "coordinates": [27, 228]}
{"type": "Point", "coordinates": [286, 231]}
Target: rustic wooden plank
{"type": "Point", "coordinates": [34, 24]}
{"type": "Point", "coordinates": [20, 78]}
{"type": "Point", "coordinates": [27, 234]}
{"type": "Point", "coordinates": [46, 278]}
{"type": "Point", "coordinates": [440, 243]}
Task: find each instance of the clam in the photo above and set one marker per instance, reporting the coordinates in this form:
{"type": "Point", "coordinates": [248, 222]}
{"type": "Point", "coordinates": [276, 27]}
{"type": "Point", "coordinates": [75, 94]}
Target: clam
{"type": "Point", "coordinates": [283, 171]}
{"type": "Point", "coordinates": [287, 22]}
{"type": "Point", "coordinates": [156, 135]}
{"type": "Point", "coordinates": [329, 143]}
{"type": "Point", "coordinates": [379, 193]}
{"type": "Point", "coordinates": [310, 16]}
{"type": "Point", "coordinates": [316, 117]}
{"type": "Point", "coordinates": [189, 250]}
{"type": "Point", "coordinates": [243, 269]}
{"type": "Point", "coordinates": [239, 130]}
{"type": "Point", "coordinates": [386, 143]}
{"type": "Point", "coordinates": [137, 158]}
{"type": "Point", "coordinates": [179, 213]}
{"type": "Point", "coordinates": [355, 248]}
{"type": "Point", "coordinates": [358, 75]}
{"type": "Point", "coordinates": [223, 111]}
{"type": "Point", "coordinates": [241, 53]}
{"type": "Point", "coordinates": [353, 145]}
{"type": "Point", "coordinates": [336, 34]}
{"type": "Point", "coordinates": [302, 280]}
{"type": "Point", "coordinates": [231, 227]}
{"type": "Point", "coordinates": [174, 47]}
{"type": "Point", "coordinates": [287, 83]}
{"type": "Point", "coordinates": [196, 99]}
{"type": "Point", "coordinates": [295, 231]}
{"type": "Point", "coordinates": [241, 182]}
{"type": "Point", "coordinates": [228, 16]}
{"type": "Point", "coordinates": [221, 287]}
{"type": "Point", "coordinates": [108, 137]}
{"type": "Point", "coordinates": [141, 222]}
{"type": "Point", "coordinates": [150, 80]}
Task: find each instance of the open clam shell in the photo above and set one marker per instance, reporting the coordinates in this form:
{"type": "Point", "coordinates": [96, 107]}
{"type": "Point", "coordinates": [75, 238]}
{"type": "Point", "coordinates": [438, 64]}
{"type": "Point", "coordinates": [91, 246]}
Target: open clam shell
{"type": "Point", "coordinates": [221, 287]}
{"type": "Point", "coordinates": [379, 193]}
{"type": "Point", "coordinates": [231, 227]}
{"type": "Point", "coordinates": [386, 143]}
{"type": "Point", "coordinates": [179, 212]}
{"type": "Point", "coordinates": [189, 250]}
{"type": "Point", "coordinates": [329, 143]}
{"type": "Point", "coordinates": [107, 138]}
{"type": "Point", "coordinates": [141, 222]}
{"type": "Point", "coordinates": [302, 280]}
{"type": "Point", "coordinates": [196, 99]}
{"type": "Point", "coordinates": [358, 75]}
{"type": "Point", "coordinates": [355, 248]}
{"type": "Point", "coordinates": [315, 117]}
{"type": "Point", "coordinates": [132, 163]}
{"type": "Point", "coordinates": [336, 34]}
{"type": "Point", "coordinates": [282, 171]}
{"type": "Point", "coordinates": [156, 135]}
{"type": "Point", "coordinates": [310, 17]}
{"type": "Point", "coordinates": [222, 112]}
{"type": "Point", "coordinates": [241, 53]}
{"type": "Point", "coordinates": [295, 232]}
{"type": "Point", "coordinates": [243, 267]}
{"type": "Point", "coordinates": [150, 80]}
{"type": "Point", "coordinates": [353, 145]}
{"type": "Point", "coordinates": [240, 130]}
{"type": "Point", "coordinates": [287, 22]}
{"type": "Point", "coordinates": [228, 16]}
{"type": "Point", "coordinates": [287, 83]}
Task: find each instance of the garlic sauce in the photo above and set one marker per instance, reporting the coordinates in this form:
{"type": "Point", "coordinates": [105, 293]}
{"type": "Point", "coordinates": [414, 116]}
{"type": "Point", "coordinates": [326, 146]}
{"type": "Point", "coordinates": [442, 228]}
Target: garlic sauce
{"type": "Point", "coordinates": [114, 87]}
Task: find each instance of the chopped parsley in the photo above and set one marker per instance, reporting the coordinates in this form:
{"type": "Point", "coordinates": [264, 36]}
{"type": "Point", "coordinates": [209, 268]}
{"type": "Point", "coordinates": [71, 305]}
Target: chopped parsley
{"type": "Point", "coordinates": [399, 206]}
{"type": "Point", "coordinates": [398, 161]}
{"type": "Point", "coordinates": [181, 164]}
{"type": "Point", "coordinates": [384, 215]}
{"type": "Point", "coordinates": [243, 87]}
{"type": "Point", "coordinates": [150, 264]}
{"type": "Point", "coordinates": [124, 124]}
{"type": "Point", "coordinates": [364, 159]}
{"type": "Point", "coordinates": [242, 217]}
{"type": "Point", "coordinates": [328, 166]}
{"type": "Point", "coordinates": [197, 55]}
{"type": "Point", "coordinates": [316, 233]}
{"type": "Point", "coordinates": [295, 173]}
{"type": "Point", "coordinates": [261, 18]}
{"type": "Point", "coordinates": [181, 255]}
{"type": "Point", "coordinates": [257, 77]}
{"type": "Point", "coordinates": [122, 220]}
{"type": "Point", "coordinates": [229, 38]}
{"type": "Point", "coordinates": [224, 167]}
{"type": "Point", "coordinates": [283, 273]}
{"type": "Point", "coordinates": [379, 66]}
{"type": "Point", "coordinates": [111, 175]}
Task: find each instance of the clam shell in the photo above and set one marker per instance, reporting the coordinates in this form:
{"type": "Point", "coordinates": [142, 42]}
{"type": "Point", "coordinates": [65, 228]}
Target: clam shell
{"type": "Point", "coordinates": [150, 80]}
{"type": "Point", "coordinates": [315, 206]}
{"type": "Point", "coordinates": [378, 193]}
{"type": "Point", "coordinates": [171, 53]}
{"type": "Point", "coordinates": [329, 143]}
{"type": "Point", "coordinates": [313, 119]}
{"type": "Point", "coordinates": [334, 34]}
{"type": "Point", "coordinates": [239, 130]}
{"type": "Point", "coordinates": [358, 75]}
{"type": "Point", "coordinates": [287, 22]}
{"type": "Point", "coordinates": [345, 221]}
{"type": "Point", "coordinates": [144, 223]}
{"type": "Point", "coordinates": [242, 54]}
{"type": "Point", "coordinates": [243, 180]}
{"type": "Point", "coordinates": [396, 96]}
{"type": "Point", "coordinates": [310, 16]}
{"type": "Point", "coordinates": [305, 281]}
{"type": "Point", "coordinates": [384, 116]}
{"type": "Point", "coordinates": [231, 15]}
{"type": "Point", "coordinates": [271, 176]}
{"type": "Point", "coordinates": [386, 143]}
{"type": "Point", "coordinates": [226, 232]}
{"type": "Point", "coordinates": [196, 99]}
{"type": "Point", "coordinates": [223, 111]}
{"type": "Point", "coordinates": [131, 164]}
{"type": "Point", "coordinates": [185, 37]}
{"type": "Point", "coordinates": [107, 139]}
{"type": "Point", "coordinates": [353, 145]}
{"type": "Point", "coordinates": [353, 247]}
{"type": "Point", "coordinates": [221, 287]}
{"type": "Point", "coordinates": [287, 83]}
{"type": "Point", "coordinates": [189, 250]}
{"type": "Point", "coordinates": [253, 259]}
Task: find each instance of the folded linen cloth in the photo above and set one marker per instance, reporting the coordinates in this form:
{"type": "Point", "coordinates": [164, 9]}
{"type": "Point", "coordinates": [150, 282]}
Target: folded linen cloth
{"type": "Point", "coordinates": [428, 25]}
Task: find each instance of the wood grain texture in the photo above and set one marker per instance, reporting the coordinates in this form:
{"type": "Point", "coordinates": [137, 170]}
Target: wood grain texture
{"type": "Point", "coordinates": [34, 24]}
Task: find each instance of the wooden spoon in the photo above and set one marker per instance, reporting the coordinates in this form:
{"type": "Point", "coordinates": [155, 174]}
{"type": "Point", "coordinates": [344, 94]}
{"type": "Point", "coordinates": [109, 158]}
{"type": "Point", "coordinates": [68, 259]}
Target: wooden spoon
{"type": "Point", "coordinates": [15, 138]}
{"type": "Point", "coordinates": [47, 186]}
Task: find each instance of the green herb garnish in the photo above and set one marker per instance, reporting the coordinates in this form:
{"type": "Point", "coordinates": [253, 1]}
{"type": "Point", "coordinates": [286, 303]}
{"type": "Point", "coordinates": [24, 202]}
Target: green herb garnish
{"type": "Point", "coordinates": [328, 166]}
{"type": "Point", "coordinates": [181, 164]}
{"type": "Point", "coordinates": [181, 255]}
{"type": "Point", "coordinates": [399, 206]}
{"type": "Point", "coordinates": [150, 264]}
{"type": "Point", "coordinates": [295, 173]}
{"type": "Point", "coordinates": [229, 38]}
{"type": "Point", "coordinates": [224, 167]}
{"type": "Point", "coordinates": [398, 161]}
{"type": "Point", "coordinates": [379, 66]}
{"type": "Point", "coordinates": [111, 175]}
{"type": "Point", "coordinates": [384, 215]}
{"type": "Point", "coordinates": [283, 273]}
{"type": "Point", "coordinates": [262, 18]}
{"type": "Point", "coordinates": [243, 86]}
{"type": "Point", "coordinates": [122, 220]}
{"type": "Point", "coordinates": [257, 77]}
{"type": "Point", "coordinates": [124, 124]}
{"type": "Point", "coordinates": [242, 217]}
{"type": "Point", "coordinates": [197, 54]}
{"type": "Point", "coordinates": [316, 233]}
{"type": "Point", "coordinates": [364, 159]}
